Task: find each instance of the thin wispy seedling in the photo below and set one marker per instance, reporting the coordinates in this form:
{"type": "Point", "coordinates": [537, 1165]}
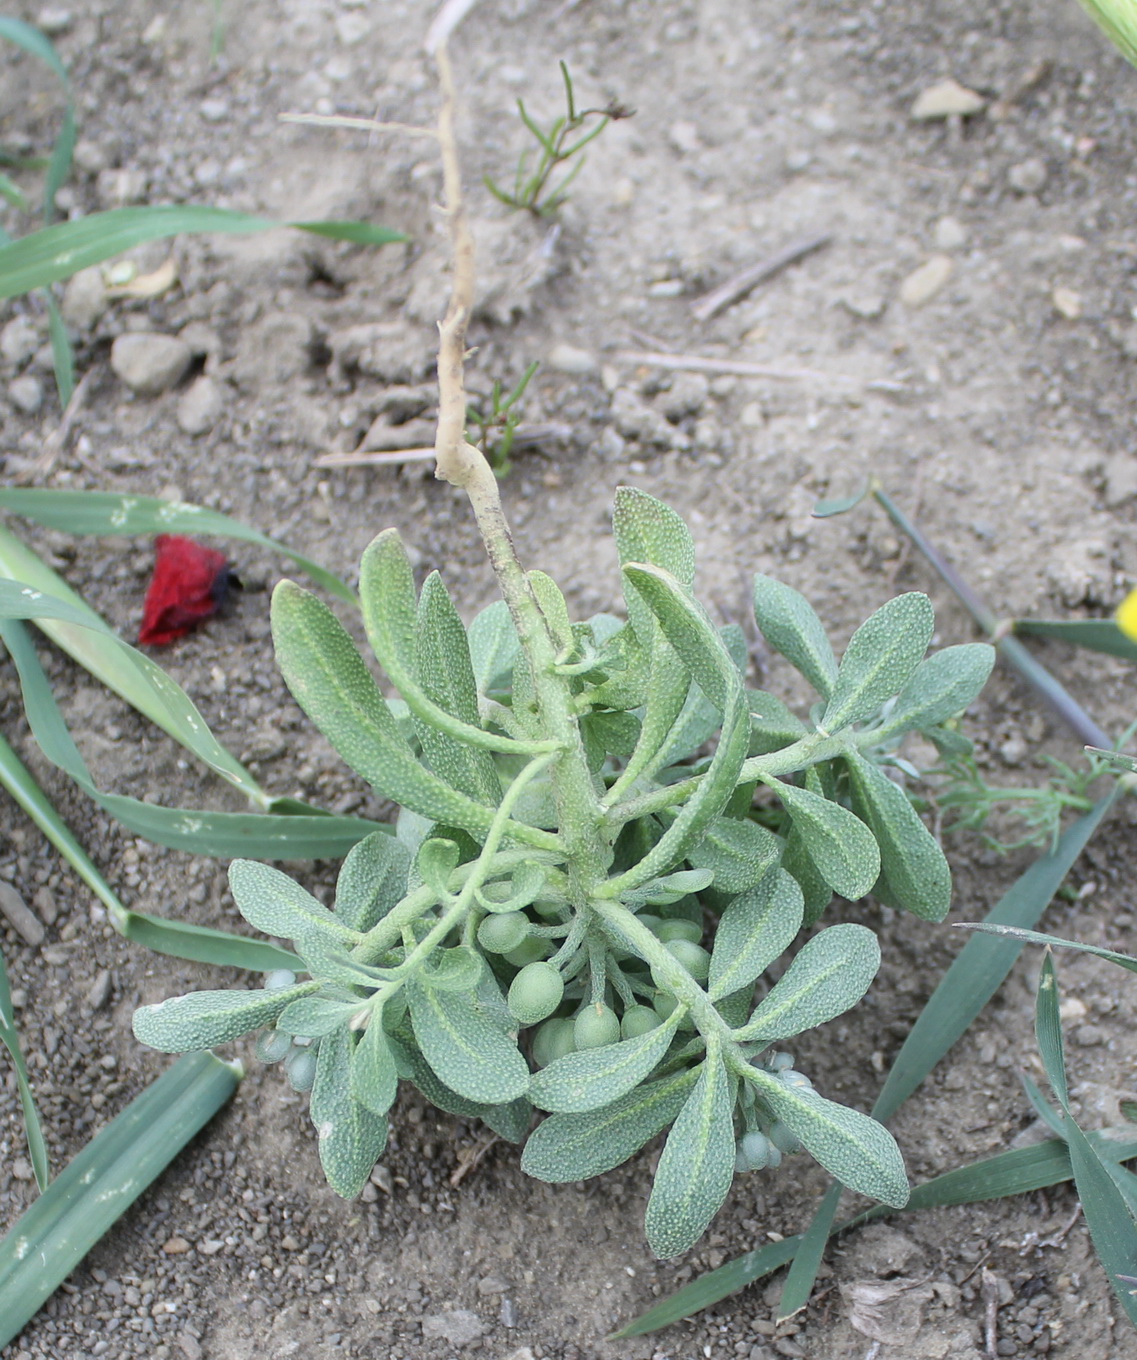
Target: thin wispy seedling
{"type": "Point", "coordinates": [535, 187]}
{"type": "Point", "coordinates": [495, 421]}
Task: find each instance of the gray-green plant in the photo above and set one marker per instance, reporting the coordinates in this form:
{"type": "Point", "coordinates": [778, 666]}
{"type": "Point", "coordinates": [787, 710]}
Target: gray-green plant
{"type": "Point", "coordinates": [493, 423]}
{"type": "Point", "coordinates": [561, 144]}
{"type": "Point", "coordinates": [577, 800]}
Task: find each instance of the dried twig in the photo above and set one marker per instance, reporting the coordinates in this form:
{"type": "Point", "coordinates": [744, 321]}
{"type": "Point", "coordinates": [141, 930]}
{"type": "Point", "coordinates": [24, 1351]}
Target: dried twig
{"type": "Point", "coordinates": [694, 363]}
{"type": "Point", "coordinates": [359, 124]}
{"type": "Point", "coordinates": [468, 1159]}
{"type": "Point", "coordinates": [376, 457]}
{"type": "Point", "coordinates": [736, 288]}
{"type": "Point", "coordinates": [990, 1290]}
{"type": "Point", "coordinates": [56, 441]}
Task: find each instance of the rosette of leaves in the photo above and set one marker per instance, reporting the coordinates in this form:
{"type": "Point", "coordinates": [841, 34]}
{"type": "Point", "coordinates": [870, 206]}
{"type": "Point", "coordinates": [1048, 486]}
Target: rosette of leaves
{"type": "Point", "coordinates": [578, 801]}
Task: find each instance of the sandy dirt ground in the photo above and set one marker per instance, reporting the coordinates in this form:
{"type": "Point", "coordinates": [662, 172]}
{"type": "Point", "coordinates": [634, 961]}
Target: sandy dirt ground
{"type": "Point", "coordinates": [968, 335]}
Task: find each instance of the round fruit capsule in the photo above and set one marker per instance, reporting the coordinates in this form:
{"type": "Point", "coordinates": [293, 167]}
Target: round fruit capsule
{"type": "Point", "coordinates": [677, 928]}
{"type": "Point", "coordinates": [503, 932]}
{"type": "Point", "coordinates": [638, 1020]}
{"type": "Point", "coordinates": [531, 950]}
{"type": "Point", "coordinates": [535, 993]}
{"type": "Point", "coordinates": [753, 1151]}
{"type": "Point", "coordinates": [273, 1045]}
{"type": "Point", "coordinates": [552, 1041]}
{"type": "Point", "coordinates": [693, 957]}
{"type": "Point", "coordinates": [788, 1077]}
{"type": "Point", "coordinates": [278, 979]}
{"type": "Point", "coordinates": [595, 1026]}
{"type": "Point", "coordinates": [783, 1139]}
{"type": "Point", "coordinates": [301, 1068]}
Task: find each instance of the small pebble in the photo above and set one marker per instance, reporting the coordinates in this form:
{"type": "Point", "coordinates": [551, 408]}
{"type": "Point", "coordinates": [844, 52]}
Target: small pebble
{"type": "Point", "coordinates": [22, 1169]}
{"type": "Point", "coordinates": [569, 359]}
{"type": "Point", "coordinates": [150, 363]}
{"type": "Point", "coordinates": [84, 299]}
{"type": "Point", "coordinates": [176, 1246]}
{"type": "Point", "coordinates": [1029, 176]}
{"type": "Point", "coordinates": [924, 283]}
{"type": "Point", "coordinates": [1067, 303]}
{"type": "Point", "coordinates": [684, 137]}
{"type": "Point", "coordinates": [946, 99]}
{"type": "Point", "coordinates": [99, 992]}
{"type": "Point", "coordinates": [1090, 1036]}
{"type": "Point", "coordinates": [1120, 479]}
{"type": "Point", "coordinates": [26, 394]}
{"type": "Point", "coordinates": [200, 407]}
{"type": "Point", "coordinates": [19, 916]}
{"type": "Point", "coordinates": [53, 20]}
{"type": "Point", "coordinates": [950, 234]}
{"type": "Point", "coordinates": [19, 340]}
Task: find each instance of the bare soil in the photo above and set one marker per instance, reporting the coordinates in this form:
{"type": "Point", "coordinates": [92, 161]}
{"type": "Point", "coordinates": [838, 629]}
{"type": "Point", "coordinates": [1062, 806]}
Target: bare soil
{"type": "Point", "coordinates": [1010, 433]}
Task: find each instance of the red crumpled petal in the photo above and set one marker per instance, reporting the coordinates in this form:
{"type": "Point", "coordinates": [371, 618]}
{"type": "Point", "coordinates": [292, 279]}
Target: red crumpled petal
{"type": "Point", "coordinates": [188, 586]}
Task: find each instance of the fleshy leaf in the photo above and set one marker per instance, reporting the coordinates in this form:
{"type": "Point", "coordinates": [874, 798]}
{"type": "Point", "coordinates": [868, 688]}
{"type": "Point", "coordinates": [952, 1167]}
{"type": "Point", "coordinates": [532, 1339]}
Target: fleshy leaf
{"type": "Point", "coordinates": [881, 657]}
{"type": "Point", "coordinates": [755, 930]}
{"type": "Point", "coordinates": [790, 625]}
{"type": "Point", "coordinates": [595, 1077]}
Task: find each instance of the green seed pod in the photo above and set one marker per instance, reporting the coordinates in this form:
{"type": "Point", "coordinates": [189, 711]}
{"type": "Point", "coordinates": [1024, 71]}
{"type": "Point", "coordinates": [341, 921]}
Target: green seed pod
{"type": "Point", "coordinates": [788, 1077]}
{"type": "Point", "coordinates": [535, 993]}
{"type": "Point", "coordinates": [301, 1068]}
{"type": "Point", "coordinates": [504, 932]}
{"type": "Point", "coordinates": [638, 1020]}
{"type": "Point", "coordinates": [552, 1041]}
{"type": "Point", "coordinates": [531, 950]}
{"type": "Point", "coordinates": [693, 957]}
{"type": "Point", "coordinates": [595, 1026]}
{"type": "Point", "coordinates": [278, 979]}
{"type": "Point", "coordinates": [273, 1046]}
{"type": "Point", "coordinates": [753, 1151]}
{"type": "Point", "coordinates": [783, 1139]}
{"type": "Point", "coordinates": [676, 928]}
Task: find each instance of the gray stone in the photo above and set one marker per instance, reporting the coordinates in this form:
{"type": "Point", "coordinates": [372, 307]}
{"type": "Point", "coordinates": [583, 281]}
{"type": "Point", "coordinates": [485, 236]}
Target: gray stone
{"type": "Point", "coordinates": [459, 1328]}
{"type": "Point", "coordinates": [26, 394]}
{"type": "Point", "coordinates": [924, 283]}
{"type": "Point", "coordinates": [686, 396]}
{"type": "Point", "coordinates": [150, 363]}
{"type": "Point", "coordinates": [19, 340]}
{"type": "Point", "coordinates": [99, 992]}
{"type": "Point", "coordinates": [946, 99]}
{"type": "Point", "coordinates": [950, 234]}
{"type": "Point", "coordinates": [1120, 479]}
{"type": "Point", "coordinates": [569, 359]}
{"type": "Point", "coordinates": [84, 299]}
{"type": "Point", "coordinates": [200, 407]}
{"type": "Point", "coordinates": [1029, 176]}
{"type": "Point", "coordinates": [20, 916]}
{"type": "Point", "coordinates": [53, 20]}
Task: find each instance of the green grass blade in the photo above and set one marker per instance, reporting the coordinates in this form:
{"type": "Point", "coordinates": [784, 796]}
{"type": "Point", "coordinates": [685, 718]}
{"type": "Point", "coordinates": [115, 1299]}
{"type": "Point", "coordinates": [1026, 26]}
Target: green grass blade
{"type": "Point", "coordinates": [1119, 23]}
{"type": "Point", "coordinates": [54, 253]}
{"type": "Point", "coordinates": [30, 589]}
{"type": "Point", "coordinates": [1048, 1028]}
{"type": "Point", "coordinates": [203, 944]}
{"type": "Point", "coordinates": [1037, 937]}
{"type": "Point", "coordinates": [11, 193]}
{"type": "Point", "coordinates": [802, 1274]}
{"type": "Point", "coordinates": [59, 164]}
{"type": "Point", "coordinates": [103, 1180]}
{"type": "Point", "coordinates": [1017, 1172]}
{"type": "Point", "coordinates": [104, 512]}
{"type": "Point", "coordinates": [982, 965]}
{"type": "Point", "coordinates": [227, 835]}
{"type": "Point", "coordinates": [1098, 635]}
{"type": "Point", "coordinates": [1112, 1226]}
{"type": "Point", "coordinates": [62, 355]}
{"type": "Point", "coordinates": [10, 1038]}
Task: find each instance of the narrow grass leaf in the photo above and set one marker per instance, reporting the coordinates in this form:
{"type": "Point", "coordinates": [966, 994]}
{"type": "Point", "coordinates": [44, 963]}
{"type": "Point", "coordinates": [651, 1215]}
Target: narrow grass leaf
{"type": "Point", "coordinates": [45, 1245]}
{"type": "Point", "coordinates": [696, 1169]}
{"type": "Point", "coordinates": [574, 1147]}
{"type": "Point", "coordinates": [790, 625]}
{"type": "Point", "coordinates": [54, 253]}
{"type": "Point", "coordinates": [1048, 1029]}
{"type": "Point", "coordinates": [982, 965]}
{"type": "Point", "coordinates": [1097, 635]}
{"type": "Point", "coordinates": [1109, 1217]}
{"type": "Point", "coordinates": [30, 589]}
{"type": "Point", "coordinates": [107, 513]}
{"type": "Point", "coordinates": [840, 505]}
{"type": "Point", "coordinates": [596, 1077]}
{"type": "Point", "coordinates": [62, 355]}
{"type": "Point", "coordinates": [10, 1038]}
{"type": "Point", "coordinates": [880, 658]}
{"type": "Point", "coordinates": [802, 1274]}
{"type": "Point", "coordinates": [1016, 1172]}
{"type": "Point", "coordinates": [1126, 961]}
{"type": "Point", "coordinates": [830, 973]}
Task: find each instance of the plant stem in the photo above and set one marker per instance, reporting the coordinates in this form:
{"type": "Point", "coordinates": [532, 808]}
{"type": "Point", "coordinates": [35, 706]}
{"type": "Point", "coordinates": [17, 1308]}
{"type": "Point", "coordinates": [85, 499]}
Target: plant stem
{"type": "Point", "coordinates": [1012, 650]}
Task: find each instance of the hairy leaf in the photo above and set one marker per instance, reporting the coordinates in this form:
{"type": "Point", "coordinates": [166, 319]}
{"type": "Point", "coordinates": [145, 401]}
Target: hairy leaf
{"type": "Point", "coordinates": [840, 845]}
{"type": "Point", "coordinates": [467, 1051]}
{"type": "Point", "coordinates": [941, 686]}
{"type": "Point", "coordinates": [181, 1024]}
{"type": "Point", "coordinates": [598, 1076]}
{"type": "Point", "coordinates": [352, 1137]}
{"type": "Point", "coordinates": [790, 625]}
{"type": "Point", "coordinates": [372, 879]}
{"type": "Point", "coordinates": [757, 928]}
{"type": "Point", "coordinates": [881, 656]}
{"type": "Point", "coordinates": [277, 905]}
{"type": "Point", "coordinates": [738, 852]}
